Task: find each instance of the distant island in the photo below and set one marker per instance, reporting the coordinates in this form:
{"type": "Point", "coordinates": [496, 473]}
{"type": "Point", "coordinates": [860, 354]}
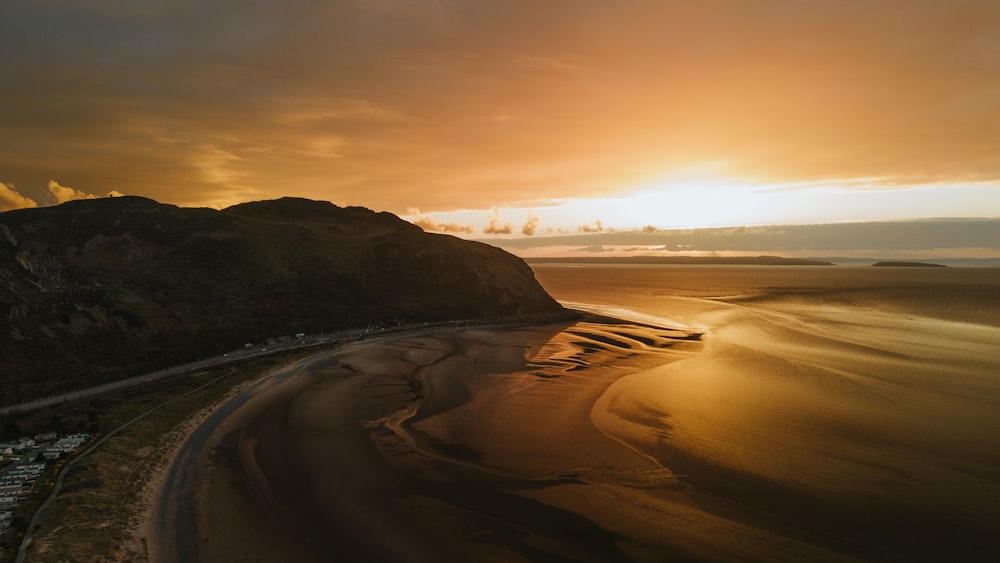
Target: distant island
{"type": "Point", "coordinates": [908, 265]}
{"type": "Point", "coordinates": [680, 260]}
{"type": "Point", "coordinates": [93, 291]}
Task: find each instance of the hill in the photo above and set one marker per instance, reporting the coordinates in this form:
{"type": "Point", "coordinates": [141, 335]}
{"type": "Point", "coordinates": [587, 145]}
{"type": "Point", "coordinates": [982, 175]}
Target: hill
{"type": "Point", "coordinates": [97, 290]}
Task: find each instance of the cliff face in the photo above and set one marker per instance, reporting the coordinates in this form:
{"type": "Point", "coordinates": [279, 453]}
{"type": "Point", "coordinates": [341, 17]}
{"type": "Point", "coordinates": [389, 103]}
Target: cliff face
{"type": "Point", "coordinates": [96, 290]}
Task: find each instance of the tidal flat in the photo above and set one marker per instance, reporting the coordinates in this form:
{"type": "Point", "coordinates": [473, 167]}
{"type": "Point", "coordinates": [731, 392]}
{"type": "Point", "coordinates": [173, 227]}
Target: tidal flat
{"type": "Point", "coordinates": [699, 413]}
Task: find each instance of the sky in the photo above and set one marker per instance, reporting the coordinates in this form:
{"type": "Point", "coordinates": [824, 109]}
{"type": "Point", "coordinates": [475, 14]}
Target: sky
{"type": "Point", "coordinates": [511, 118]}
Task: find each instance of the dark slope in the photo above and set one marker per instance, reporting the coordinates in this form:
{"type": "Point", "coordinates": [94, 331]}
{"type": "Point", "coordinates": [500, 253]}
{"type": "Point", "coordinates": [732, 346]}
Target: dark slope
{"type": "Point", "coordinates": [96, 290]}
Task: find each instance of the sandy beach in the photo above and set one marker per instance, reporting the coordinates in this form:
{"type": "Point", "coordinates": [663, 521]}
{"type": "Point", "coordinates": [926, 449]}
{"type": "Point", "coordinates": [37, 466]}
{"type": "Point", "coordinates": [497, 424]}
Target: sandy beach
{"type": "Point", "coordinates": [474, 445]}
{"type": "Point", "coordinates": [728, 431]}
{"type": "Point", "coordinates": [394, 450]}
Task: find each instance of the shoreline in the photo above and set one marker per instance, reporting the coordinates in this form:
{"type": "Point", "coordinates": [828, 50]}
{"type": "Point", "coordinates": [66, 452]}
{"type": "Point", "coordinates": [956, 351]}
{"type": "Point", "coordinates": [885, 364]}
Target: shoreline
{"type": "Point", "coordinates": [397, 444]}
{"type": "Point", "coordinates": [142, 537]}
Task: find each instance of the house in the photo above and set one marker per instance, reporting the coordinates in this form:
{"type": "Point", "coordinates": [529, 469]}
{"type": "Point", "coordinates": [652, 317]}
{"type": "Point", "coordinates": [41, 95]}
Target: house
{"type": "Point", "coordinates": [66, 444]}
{"type": "Point", "coordinates": [8, 490]}
{"type": "Point", "coordinates": [23, 458]}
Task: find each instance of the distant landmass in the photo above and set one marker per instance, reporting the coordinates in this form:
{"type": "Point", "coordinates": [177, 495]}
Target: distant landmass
{"type": "Point", "coordinates": [908, 265]}
{"type": "Point", "coordinates": [708, 260]}
{"type": "Point", "coordinates": [97, 290]}
{"type": "Point", "coordinates": [974, 240]}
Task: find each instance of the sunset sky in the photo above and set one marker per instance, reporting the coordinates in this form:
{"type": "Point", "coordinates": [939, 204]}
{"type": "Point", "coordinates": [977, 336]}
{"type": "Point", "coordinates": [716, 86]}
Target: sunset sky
{"type": "Point", "coordinates": [528, 117]}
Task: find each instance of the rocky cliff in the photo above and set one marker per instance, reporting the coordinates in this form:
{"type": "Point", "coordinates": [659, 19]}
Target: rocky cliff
{"type": "Point", "coordinates": [96, 290]}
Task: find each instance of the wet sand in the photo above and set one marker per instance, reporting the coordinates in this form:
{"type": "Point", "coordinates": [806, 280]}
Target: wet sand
{"type": "Point", "coordinates": [709, 425]}
{"type": "Point", "coordinates": [423, 449]}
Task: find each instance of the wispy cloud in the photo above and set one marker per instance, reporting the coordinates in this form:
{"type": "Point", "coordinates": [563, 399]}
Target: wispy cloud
{"type": "Point", "coordinates": [548, 63]}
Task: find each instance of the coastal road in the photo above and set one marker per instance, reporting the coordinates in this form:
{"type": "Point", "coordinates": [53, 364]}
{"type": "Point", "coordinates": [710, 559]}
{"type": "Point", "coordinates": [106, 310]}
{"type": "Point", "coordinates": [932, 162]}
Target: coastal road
{"type": "Point", "coordinates": [175, 518]}
{"type": "Point", "coordinates": [233, 356]}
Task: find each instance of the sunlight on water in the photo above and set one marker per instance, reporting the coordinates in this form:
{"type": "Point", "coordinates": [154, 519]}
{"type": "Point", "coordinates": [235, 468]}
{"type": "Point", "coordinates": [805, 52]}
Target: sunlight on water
{"type": "Point", "coordinates": [875, 388]}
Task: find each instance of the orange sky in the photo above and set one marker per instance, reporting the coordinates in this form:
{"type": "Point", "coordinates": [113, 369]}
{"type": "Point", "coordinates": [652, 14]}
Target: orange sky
{"type": "Point", "coordinates": [523, 106]}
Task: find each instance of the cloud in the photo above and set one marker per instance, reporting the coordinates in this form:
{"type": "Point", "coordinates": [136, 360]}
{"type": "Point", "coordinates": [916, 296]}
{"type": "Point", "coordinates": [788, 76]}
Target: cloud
{"type": "Point", "coordinates": [548, 63]}
{"type": "Point", "coordinates": [589, 98]}
{"type": "Point", "coordinates": [62, 194]}
{"type": "Point", "coordinates": [10, 198]}
{"type": "Point", "coordinates": [494, 227]}
{"type": "Point", "coordinates": [220, 166]}
{"type": "Point", "coordinates": [531, 225]}
{"type": "Point", "coordinates": [428, 224]}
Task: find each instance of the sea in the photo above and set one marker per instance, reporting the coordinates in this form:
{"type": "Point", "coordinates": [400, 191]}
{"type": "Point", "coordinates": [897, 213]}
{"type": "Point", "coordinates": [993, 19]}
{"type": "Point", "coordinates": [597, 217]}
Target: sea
{"type": "Point", "coordinates": [855, 408]}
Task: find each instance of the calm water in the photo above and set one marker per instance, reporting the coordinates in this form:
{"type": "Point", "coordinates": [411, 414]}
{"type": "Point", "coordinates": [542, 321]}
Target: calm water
{"type": "Point", "coordinates": [851, 407]}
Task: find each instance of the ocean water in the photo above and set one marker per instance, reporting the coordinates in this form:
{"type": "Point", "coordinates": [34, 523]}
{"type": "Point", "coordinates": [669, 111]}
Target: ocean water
{"type": "Point", "coordinates": [854, 409]}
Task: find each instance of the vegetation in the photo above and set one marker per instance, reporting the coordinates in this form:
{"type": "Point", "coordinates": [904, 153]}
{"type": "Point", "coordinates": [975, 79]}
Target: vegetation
{"type": "Point", "coordinates": [100, 501]}
{"type": "Point", "coordinates": [98, 290]}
